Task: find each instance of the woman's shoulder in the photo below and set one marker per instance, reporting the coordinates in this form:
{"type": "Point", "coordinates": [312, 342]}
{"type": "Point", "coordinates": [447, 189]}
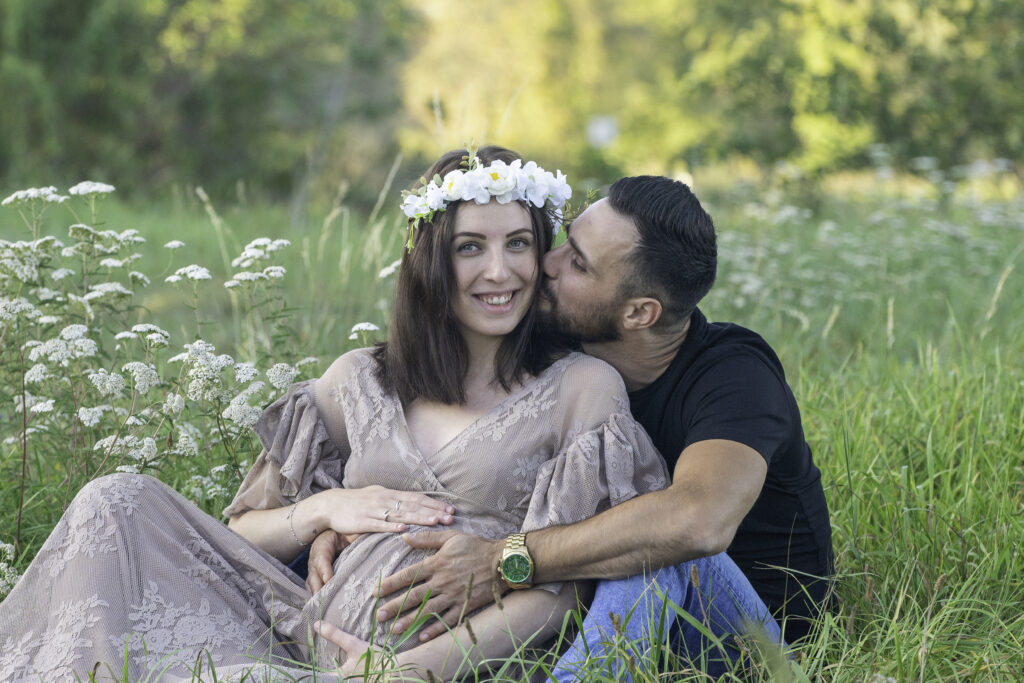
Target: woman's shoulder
{"type": "Point", "coordinates": [347, 363]}
{"type": "Point", "coordinates": [578, 372]}
{"type": "Point", "coordinates": [354, 364]}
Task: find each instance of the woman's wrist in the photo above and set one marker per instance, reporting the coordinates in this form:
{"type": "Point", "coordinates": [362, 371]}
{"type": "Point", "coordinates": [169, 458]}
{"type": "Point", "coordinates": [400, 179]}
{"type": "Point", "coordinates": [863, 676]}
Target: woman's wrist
{"type": "Point", "coordinates": [306, 519]}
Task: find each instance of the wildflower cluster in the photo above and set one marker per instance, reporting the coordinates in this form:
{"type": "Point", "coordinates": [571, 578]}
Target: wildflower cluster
{"type": "Point", "coordinates": [86, 379]}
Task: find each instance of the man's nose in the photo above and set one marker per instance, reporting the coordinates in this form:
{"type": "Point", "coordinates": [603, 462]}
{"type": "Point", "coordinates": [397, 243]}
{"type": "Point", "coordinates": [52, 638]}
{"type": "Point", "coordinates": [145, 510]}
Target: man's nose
{"type": "Point", "coordinates": [551, 261]}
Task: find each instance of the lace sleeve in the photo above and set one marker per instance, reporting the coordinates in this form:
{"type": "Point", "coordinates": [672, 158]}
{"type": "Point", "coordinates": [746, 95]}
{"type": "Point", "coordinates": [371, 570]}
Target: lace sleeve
{"type": "Point", "coordinates": [298, 459]}
{"type": "Point", "coordinates": [605, 457]}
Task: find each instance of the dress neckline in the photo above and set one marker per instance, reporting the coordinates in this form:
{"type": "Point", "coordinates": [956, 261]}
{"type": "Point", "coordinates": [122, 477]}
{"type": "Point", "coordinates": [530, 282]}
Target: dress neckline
{"type": "Point", "coordinates": [499, 408]}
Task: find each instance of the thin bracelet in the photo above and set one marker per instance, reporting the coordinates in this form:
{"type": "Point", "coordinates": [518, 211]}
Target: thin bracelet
{"type": "Point", "coordinates": [291, 526]}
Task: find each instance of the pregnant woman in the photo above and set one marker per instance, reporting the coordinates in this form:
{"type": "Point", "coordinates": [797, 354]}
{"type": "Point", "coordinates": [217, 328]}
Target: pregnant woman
{"type": "Point", "coordinates": [464, 416]}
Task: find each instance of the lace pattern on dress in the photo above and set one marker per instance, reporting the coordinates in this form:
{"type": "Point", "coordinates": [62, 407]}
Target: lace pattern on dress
{"type": "Point", "coordinates": [90, 525]}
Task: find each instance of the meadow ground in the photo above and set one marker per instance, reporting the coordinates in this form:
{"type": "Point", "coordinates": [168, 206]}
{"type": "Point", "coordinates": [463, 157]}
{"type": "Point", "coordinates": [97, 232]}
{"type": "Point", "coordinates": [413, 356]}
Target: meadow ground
{"type": "Point", "coordinates": [899, 322]}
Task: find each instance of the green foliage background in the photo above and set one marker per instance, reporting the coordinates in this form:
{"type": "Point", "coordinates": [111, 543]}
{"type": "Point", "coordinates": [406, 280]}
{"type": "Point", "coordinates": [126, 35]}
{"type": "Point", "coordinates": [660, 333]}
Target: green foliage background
{"type": "Point", "coordinates": [289, 98]}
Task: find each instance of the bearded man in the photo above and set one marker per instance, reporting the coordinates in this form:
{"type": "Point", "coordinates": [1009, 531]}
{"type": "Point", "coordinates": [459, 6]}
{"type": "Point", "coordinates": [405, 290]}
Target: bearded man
{"type": "Point", "coordinates": [742, 534]}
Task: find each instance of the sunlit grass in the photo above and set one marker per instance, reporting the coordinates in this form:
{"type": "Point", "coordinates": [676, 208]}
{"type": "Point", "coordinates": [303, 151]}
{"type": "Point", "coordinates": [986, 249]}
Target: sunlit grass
{"type": "Point", "coordinates": [900, 328]}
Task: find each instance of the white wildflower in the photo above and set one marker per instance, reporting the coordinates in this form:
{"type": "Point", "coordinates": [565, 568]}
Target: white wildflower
{"type": "Point", "coordinates": [247, 276]}
{"type": "Point", "coordinates": [186, 445]}
{"type": "Point", "coordinates": [37, 373]}
{"type": "Point", "coordinates": [174, 244]}
{"type": "Point", "coordinates": [245, 372]}
{"type": "Point", "coordinates": [362, 327]}
{"type": "Point", "coordinates": [20, 307]}
{"type": "Point", "coordinates": [277, 245]}
{"type": "Point", "coordinates": [274, 272]}
{"type": "Point", "coordinates": [108, 384]}
{"type": "Point", "coordinates": [21, 402]}
{"type": "Point", "coordinates": [172, 278]}
{"type": "Point", "coordinates": [43, 406]}
{"type": "Point", "coordinates": [124, 335]}
{"type": "Point", "coordinates": [48, 320]}
{"type": "Point", "coordinates": [81, 231]}
{"type": "Point", "coordinates": [47, 294]}
{"type": "Point", "coordinates": [178, 358]}
{"type": "Point", "coordinates": [204, 371]}
{"type": "Point", "coordinates": [281, 375]}
{"type": "Point", "coordinates": [231, 284]}
{"type": "Point", "coordinates": [388, 271]}
{"type": "Point", "coordinates": [105, 288]}
{"type": "Point", "coordinates": [306, 361]}
{"type": "Point", "coordinates": [239, 411]}
{"type": "Point", "coordinates": [45, 194]}
{"type": "Point", "coordinates": [128, 469]}
{"type": "Point", "coordinates": [112, 263]}
{"type": "Point", "coordinates": [193, 272]}
{"type": "Point", "coordinates": [174, 404]}
{"type": "Point", "coordinates": [141, 278]}
{"type": "Point", "coordinates": [74, 332]}
{"type": "Point", "coordinates": [144, 374]}
{"type": "Point", "coordinates": [8, 576]}
{"type": "Point", "coordinates": [88, 187]}
{"type": "Point", "coordinates": [69, 252]}
{"type": "Point", "coordinates": [90, 417]}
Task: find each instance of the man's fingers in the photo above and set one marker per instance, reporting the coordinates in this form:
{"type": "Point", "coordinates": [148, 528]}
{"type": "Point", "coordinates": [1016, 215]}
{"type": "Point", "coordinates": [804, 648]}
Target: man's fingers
{"type": "Point", "coordinates": [407, 602]}
{"type": "Point", "coordinates": [399, 580]}
{"type": "Point", "coordinates": [428, 540]}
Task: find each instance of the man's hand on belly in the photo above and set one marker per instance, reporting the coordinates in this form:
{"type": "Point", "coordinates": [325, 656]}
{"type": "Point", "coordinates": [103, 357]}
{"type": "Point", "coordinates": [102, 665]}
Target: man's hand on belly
{"type": "Point", "coordinates": [443, 577]}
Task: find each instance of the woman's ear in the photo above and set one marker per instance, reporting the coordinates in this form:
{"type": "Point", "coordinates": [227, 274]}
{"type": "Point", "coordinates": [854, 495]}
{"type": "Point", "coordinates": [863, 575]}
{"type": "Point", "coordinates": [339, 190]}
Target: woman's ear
{"type": "Point", "coordinates": [641, 313]}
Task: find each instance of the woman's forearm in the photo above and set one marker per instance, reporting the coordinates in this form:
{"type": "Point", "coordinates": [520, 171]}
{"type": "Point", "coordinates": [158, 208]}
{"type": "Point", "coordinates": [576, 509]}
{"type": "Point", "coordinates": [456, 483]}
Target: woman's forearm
{"type": "Point", "coordinates": [495, 633]}
{"type": "Point", "coordinates": [274, 532]}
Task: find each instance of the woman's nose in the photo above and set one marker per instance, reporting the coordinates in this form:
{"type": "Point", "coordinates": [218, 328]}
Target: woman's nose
{"type": "Point", "coordinates": [496, 269]}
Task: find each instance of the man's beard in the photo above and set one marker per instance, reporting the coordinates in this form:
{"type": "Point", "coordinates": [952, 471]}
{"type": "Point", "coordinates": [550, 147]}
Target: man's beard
{"type": "Point", "coordinates": [592, 325]}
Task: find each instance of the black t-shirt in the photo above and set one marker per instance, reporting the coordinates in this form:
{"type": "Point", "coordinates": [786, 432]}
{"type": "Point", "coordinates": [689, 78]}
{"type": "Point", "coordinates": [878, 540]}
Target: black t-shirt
{"type": "Point", "coordinates": [726, 383]}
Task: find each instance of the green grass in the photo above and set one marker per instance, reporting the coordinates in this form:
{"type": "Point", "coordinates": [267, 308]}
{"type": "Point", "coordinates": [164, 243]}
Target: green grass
{"type": "Point", "coordinates": [899, 324]}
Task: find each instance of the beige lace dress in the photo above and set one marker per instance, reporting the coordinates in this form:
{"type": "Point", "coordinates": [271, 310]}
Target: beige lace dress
{"type": "Point", "coordinates": [135, 577]}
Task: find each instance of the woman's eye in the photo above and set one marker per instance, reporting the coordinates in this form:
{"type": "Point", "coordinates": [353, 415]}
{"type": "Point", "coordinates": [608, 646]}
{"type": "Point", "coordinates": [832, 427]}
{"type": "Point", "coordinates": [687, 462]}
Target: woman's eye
{"type": "Point", "coordinates": [575, 262]}
{"type": "Point", "coordinates": [519, 243]}
{"type": "Point", "coordinates": [466, 247]}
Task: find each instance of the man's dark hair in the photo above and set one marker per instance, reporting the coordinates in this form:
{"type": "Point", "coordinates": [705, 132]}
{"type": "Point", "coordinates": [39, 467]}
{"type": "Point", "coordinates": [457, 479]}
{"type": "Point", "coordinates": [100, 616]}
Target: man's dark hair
{"type": "Point", "coordinates": [425, 355]}
{"type": "Point", "coordinates": [675, 258]}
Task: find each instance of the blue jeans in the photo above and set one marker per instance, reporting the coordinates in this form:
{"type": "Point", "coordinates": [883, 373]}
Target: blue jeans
{"type": "Point", "coordinates": [693, 609]}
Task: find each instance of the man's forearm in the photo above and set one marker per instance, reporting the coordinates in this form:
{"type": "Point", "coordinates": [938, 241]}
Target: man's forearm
{"type": "Point", "coordinates": [646, 533]}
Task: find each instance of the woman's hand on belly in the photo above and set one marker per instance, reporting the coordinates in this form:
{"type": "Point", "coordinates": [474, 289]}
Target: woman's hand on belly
{"type": "Point", "coordinates": [374, 509]}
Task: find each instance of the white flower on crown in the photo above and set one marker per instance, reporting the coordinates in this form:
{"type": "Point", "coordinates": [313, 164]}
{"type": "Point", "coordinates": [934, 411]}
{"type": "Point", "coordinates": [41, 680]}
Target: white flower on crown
{"type": "Point", "coordinates": [504, 182]}
{"type": "Point", "coordinates": [453, 186]}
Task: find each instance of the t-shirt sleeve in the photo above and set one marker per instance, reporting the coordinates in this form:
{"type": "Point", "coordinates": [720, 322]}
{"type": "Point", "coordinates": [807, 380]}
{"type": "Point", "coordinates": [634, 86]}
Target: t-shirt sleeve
{"type": "Point", "coordinates": [740, 398]}
{"type": "Point", "coordinates": [305, 449]}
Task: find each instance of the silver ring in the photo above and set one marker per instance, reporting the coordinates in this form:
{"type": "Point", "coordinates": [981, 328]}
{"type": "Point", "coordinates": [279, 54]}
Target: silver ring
{"type": "Point", "coordinates": [398, 506]}
{"type": "Point", "coordinates": [386, 513]}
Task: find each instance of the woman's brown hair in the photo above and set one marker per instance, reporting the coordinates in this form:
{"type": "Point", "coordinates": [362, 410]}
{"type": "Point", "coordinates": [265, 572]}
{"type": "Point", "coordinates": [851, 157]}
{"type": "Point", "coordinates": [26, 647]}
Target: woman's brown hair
{"type": "Point", "coordinates": [425, 355]}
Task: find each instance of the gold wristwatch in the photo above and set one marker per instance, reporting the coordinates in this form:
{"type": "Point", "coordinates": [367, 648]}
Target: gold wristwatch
{"type": "Point", "coordinates": [516, 565]}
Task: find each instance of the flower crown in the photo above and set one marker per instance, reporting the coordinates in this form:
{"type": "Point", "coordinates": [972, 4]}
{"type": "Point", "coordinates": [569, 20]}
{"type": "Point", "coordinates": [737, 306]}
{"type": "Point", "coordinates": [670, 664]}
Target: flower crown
{"type": "Point", "coordinates": [505, 182]}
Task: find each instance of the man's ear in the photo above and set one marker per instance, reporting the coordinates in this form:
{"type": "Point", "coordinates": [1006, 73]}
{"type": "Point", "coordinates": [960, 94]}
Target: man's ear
{"type": "Point", "coordinates": [641, 313]}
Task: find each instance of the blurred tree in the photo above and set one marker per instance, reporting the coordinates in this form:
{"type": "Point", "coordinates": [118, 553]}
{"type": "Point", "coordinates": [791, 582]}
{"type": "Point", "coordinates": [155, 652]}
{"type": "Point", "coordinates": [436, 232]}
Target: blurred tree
{"type": "Point", "coordinates": [607, 87]}
{"type": "Point", "coordinates": [212, 91]}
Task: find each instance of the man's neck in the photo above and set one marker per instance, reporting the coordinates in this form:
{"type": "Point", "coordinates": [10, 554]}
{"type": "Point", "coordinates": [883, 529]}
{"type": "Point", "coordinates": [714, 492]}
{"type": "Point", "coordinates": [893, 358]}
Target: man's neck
{"type": "Point", "coordinates": [642, 356]}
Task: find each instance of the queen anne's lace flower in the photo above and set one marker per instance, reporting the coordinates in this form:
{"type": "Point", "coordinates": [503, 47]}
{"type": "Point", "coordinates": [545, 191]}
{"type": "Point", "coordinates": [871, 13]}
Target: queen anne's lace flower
{"type": "Point", "coordinates": [37, 373]}
{"type": "Point", "coordinates": [91, 417]}
{"type": "Point", "coordinates": [107, 288]}
{"type": "Point", "coordinates": [239, 411]}
{"type": "Point", "coordinates": [245, 372]}
{"type": "Point", "coordinates": [108, 384]}
{"type": "Point", "coordinates": [174, 404]}
{"type": "Point", "coordinates": [389, 270]}
{"type": "Point", "coordinates": [281, 375]}
{"type": "Point", "coordinates": [174, 244]}
{"type": "Point", "coordinates": [44, 194]}
{"type": "Point", "coordinates": [362, 327]}
{"type": "Point", "coordinates": [42, 406]}
{"type": "Point", "coordinates": [88, 187]}
{"type": "Point", "coordinates": [144, 374]}
{"type": "Point", "coordinates": [192, 272]}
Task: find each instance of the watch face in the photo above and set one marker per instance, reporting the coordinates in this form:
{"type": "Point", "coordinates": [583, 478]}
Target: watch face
{"type": "Point", "coordinates": [516, 568]}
